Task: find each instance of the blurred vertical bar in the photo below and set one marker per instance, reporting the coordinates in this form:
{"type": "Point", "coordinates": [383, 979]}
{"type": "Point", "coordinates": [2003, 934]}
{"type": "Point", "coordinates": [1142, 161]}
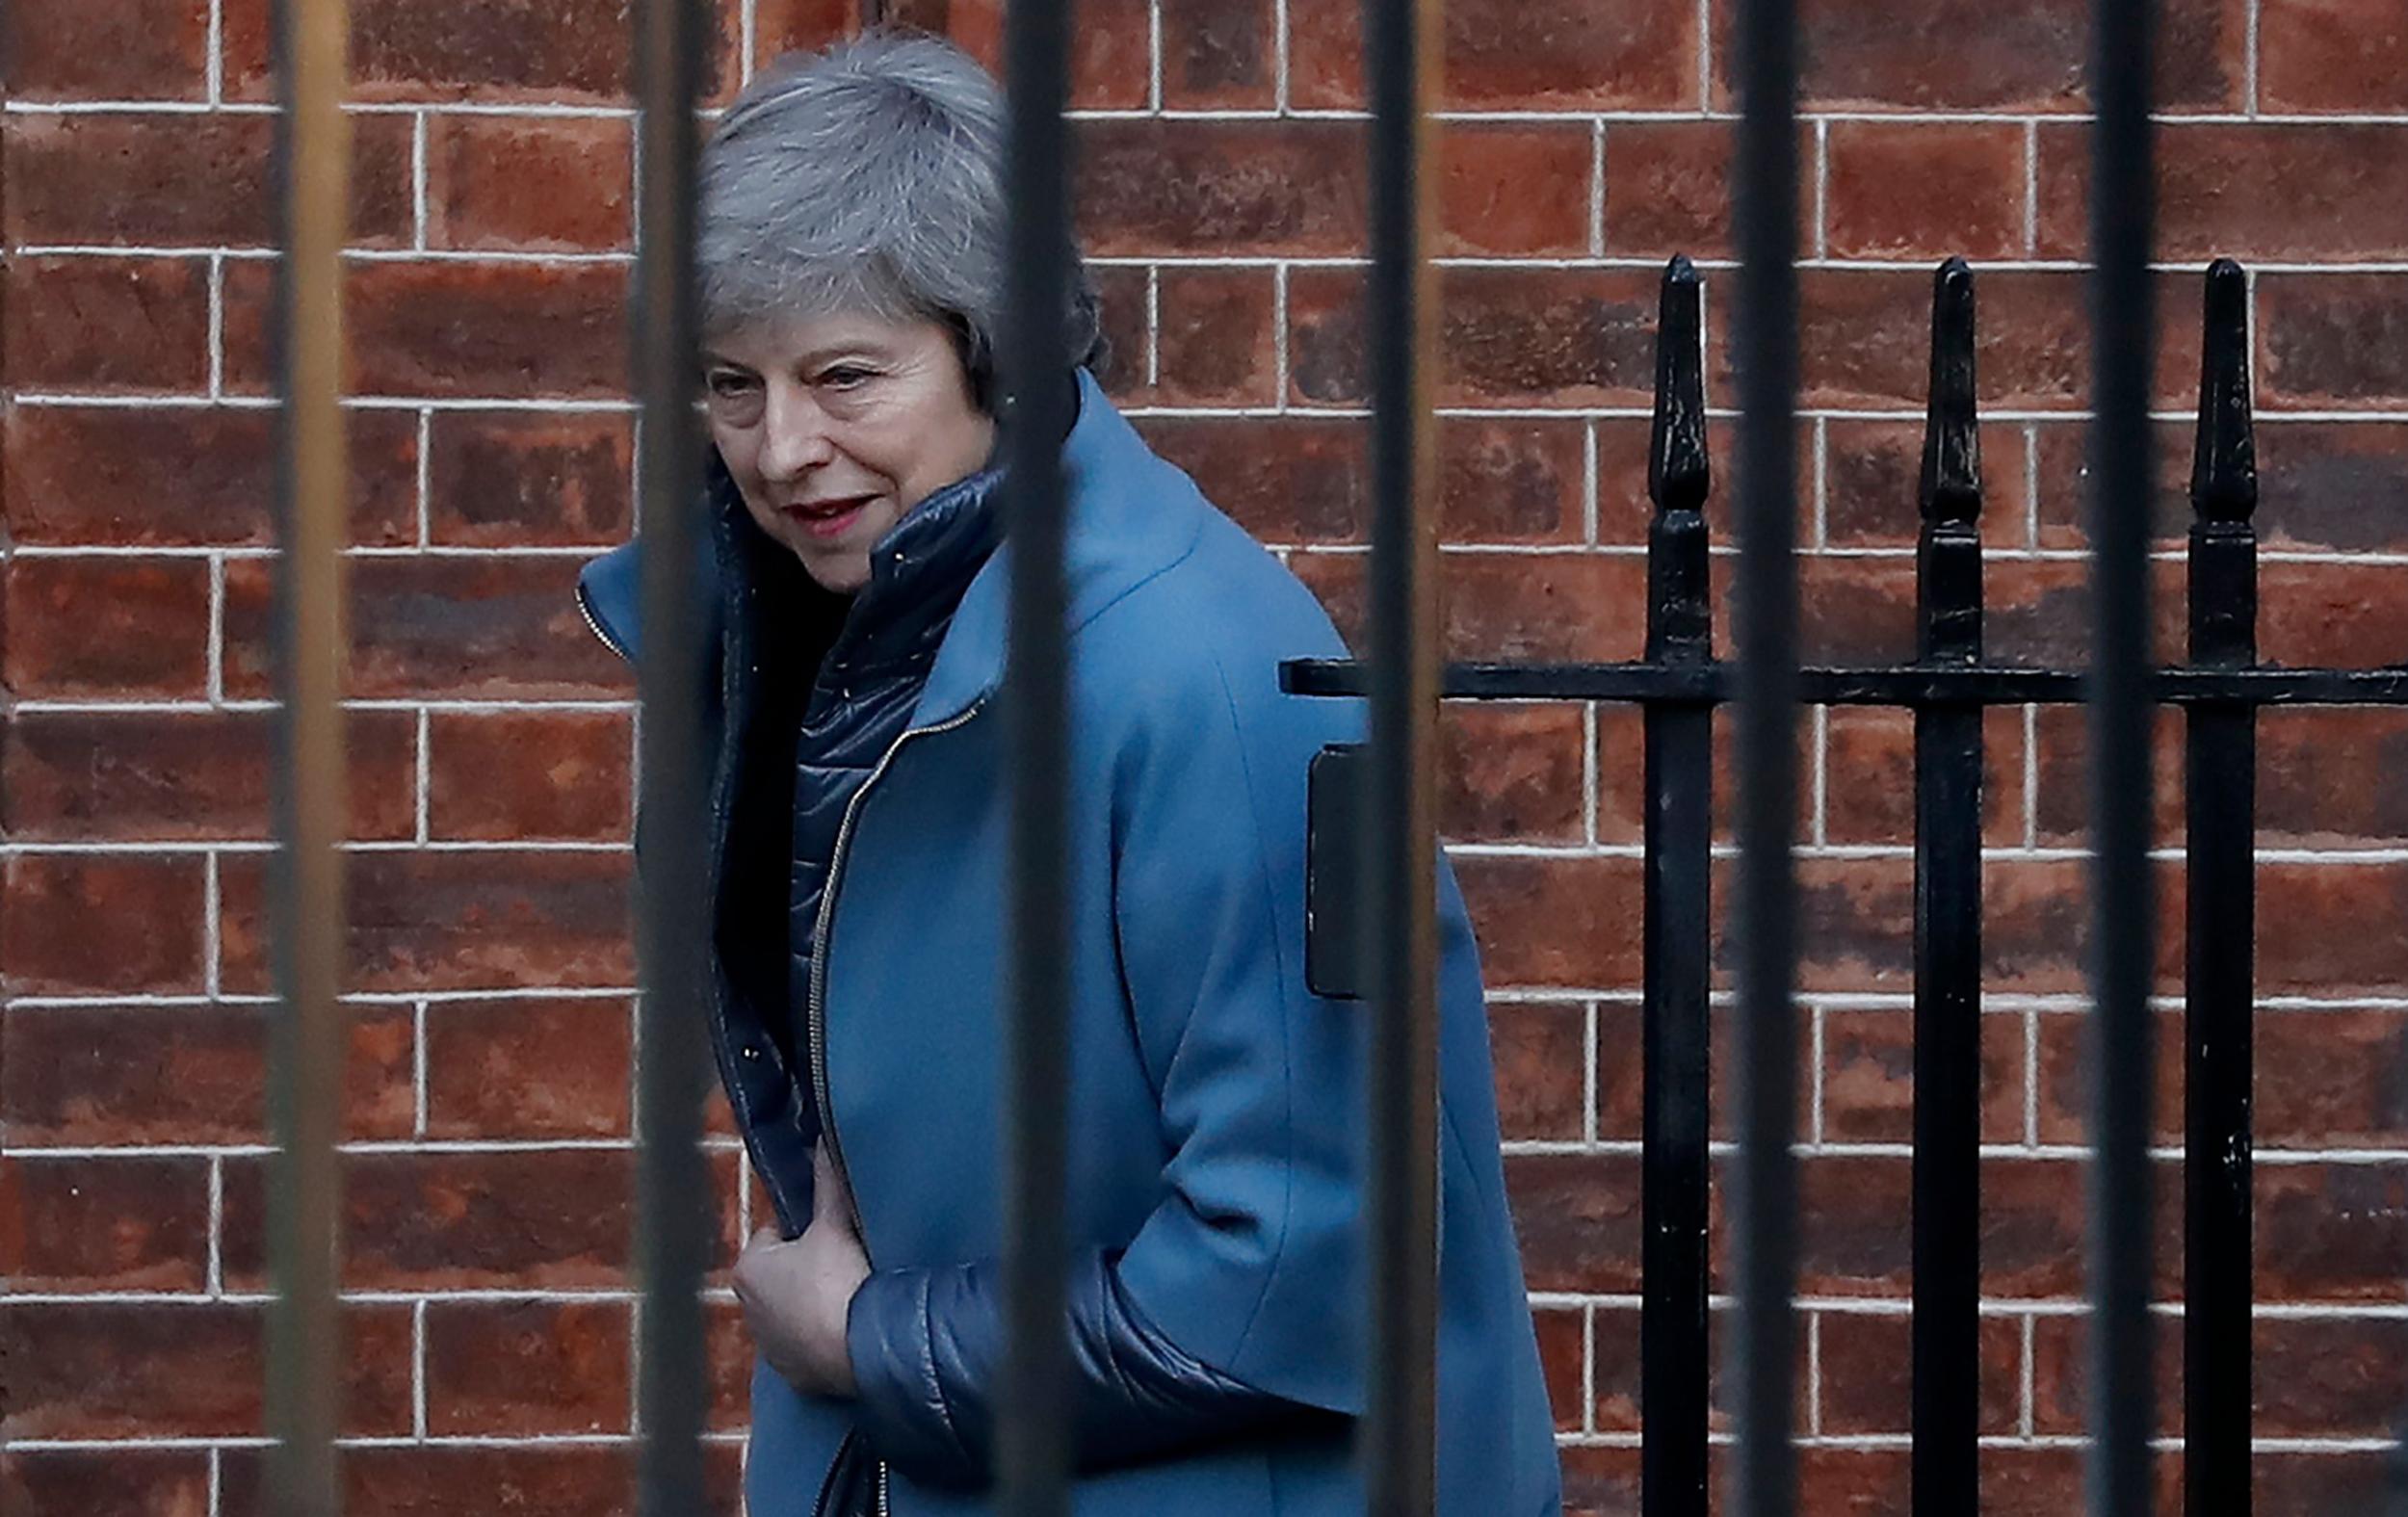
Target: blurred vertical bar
{"type": "Point", "coordinates": [1948, 927]}
{"type": "Point", "coordinates": [1766, 627]}
{"type": "Point", "coordinates": [673, 1224]}
{"type": "Point", "coordinates": [1033, 1427]}
{"type": "Point", "coordinates": [2219, 973]}
{"type": "Point", "coordinates": [2123, 910]}
{"type": "Point", "coordinates": [1401, 41]}
{"type": "Point", "coordinates": [1678, 928]}
{"type": "Point", "coordinates": [305, 1085]}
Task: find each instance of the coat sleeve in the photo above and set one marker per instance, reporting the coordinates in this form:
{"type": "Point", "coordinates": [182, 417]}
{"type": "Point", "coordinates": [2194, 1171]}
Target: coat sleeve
{"type": "Point", "coordinates": [1237, 1302]}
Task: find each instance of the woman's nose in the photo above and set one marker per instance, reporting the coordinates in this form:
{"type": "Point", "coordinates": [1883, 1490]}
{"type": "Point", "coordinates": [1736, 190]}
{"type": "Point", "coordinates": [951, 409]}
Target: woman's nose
{"type": "Point", "coordinates": [795, 436]}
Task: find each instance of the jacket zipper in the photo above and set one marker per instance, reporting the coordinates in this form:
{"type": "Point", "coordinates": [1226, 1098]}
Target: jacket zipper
{"type": "Point", "coordinates": [594, 623]}
{"type": "Point", "coordinates": [816, 1012]}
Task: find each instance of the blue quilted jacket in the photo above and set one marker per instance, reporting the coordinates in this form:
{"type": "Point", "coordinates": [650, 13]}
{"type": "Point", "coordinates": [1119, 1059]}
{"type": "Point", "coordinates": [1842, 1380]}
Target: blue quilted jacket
{"type": "Point", "coordinates": [1216, 1151]}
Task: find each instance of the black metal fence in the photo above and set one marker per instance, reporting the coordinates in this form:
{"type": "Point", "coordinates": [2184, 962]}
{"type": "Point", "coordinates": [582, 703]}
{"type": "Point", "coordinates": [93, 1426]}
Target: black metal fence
{"type": "Point", "coordinates": [1679, 684]}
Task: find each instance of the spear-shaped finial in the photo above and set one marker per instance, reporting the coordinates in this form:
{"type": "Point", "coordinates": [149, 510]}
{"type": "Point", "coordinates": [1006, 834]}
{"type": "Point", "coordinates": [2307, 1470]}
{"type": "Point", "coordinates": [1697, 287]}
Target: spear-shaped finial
{"type": "Point", "coordinates": [1952, 474]}
{"type": "Point", "coordinates": [1677, 473]}
{"type": "Point", "coordinates": [2224, 468]}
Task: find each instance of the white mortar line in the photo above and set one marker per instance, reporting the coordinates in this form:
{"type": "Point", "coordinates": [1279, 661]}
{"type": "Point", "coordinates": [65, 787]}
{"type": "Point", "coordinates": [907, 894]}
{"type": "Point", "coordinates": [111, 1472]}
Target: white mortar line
{"type": "Point", "coordinates": [418, 194]}
{"type": "Point", "coordinates": [1597, 188]}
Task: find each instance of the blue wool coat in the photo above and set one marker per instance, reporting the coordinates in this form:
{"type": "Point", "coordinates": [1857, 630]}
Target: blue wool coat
{"type": "Point", "coordinates": [1216, 1110]}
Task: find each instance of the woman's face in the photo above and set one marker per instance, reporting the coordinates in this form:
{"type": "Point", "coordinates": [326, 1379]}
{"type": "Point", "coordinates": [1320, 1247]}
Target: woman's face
{"type": "Point", "coordinates": [834, 426]}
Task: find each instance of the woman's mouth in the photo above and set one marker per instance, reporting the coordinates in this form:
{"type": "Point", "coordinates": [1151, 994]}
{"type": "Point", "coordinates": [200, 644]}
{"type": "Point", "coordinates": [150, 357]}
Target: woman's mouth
{"type": "Point", "coordinates": [828, 518]}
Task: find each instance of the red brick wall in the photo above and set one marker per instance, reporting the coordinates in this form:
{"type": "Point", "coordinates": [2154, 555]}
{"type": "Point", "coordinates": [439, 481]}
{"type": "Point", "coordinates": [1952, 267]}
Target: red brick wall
{"type": "Point", "coordinates": [489, 1180]}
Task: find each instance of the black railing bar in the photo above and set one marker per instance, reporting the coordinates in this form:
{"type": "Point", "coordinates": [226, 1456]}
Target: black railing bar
{"type": "Point", "coordinates": [1764, 1237]}
{"type": "Point", "coordinates": [1032, 1423]}
{"type": "Point", "coordinates": [1677, 929]}
{"type": "Point", "coordinates": [1946, 1333]}
{"type": "Point", "coordinates": [2121, 1403]}
{"type": "Point", "coordinates": [1400, 42]}
{"type": "Point", "coordinates": [1869, 685]}
{"type": "Point", "coordinates": [673, 1211]}
{"type": "Point", "coordinates": [2220, 762]}
{"type": "Point", "coordinates": [304, 1390]}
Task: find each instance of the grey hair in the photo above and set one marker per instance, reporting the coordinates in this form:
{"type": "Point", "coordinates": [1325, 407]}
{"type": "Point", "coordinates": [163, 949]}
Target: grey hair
{"type": "Point", "coordinates": [869, 178]}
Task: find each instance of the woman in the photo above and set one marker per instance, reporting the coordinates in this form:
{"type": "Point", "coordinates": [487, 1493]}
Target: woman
{"type": "Point", "coordinates": [850, 241]}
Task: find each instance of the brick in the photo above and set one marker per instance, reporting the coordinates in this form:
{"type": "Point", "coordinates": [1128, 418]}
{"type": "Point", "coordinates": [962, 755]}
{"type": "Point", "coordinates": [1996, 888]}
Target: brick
{"type": "Point", "coordinates": [184, 179]}
{"type": "Point", "coordinates": [106, 325]}
{"type": "Point", "coordinates": [2063, 464]}
{"type": "Point", "coordinates": [784, 26]}
{"type": "Point", "coordinates": [503, 51]}
{"type": "Point", "coordinates": [104, 1225]}
{"type": "Point", "coordinates": [1304, 479]}
{"type": "Point", "coordinates": [151, 908]}
{"type": "Point", "coordinates": [1562, 1341]}
{"type": "Point", "coordinates": [106, 1482]}
{"type": "Point", "coordinates": [1219, 54]}
{"type": "Point", "coordinates": [1489, 172]}
{"type": "Point", "coordinates": [1870, 776]}
{"type": "Point", "coordinates": [453, 330]}
{"type": "Point", "coordinates": [1546, 55]}
{"type": "Point", "coordinates": [2330, 1079]}
{"type": "Point", "coordinates": [1109, 63]}
{"type": "Point", "coordinates": [183, 776]}
{"type": "Point", "coordinates": [1509, 773]}
{"type": "Point", "coordinates": [525, 1481]}
{"type": "Point", "coordinates": [447, 921]}
{"type": "Point", "coordinates": [502, 775]}
{"type": "Point", "coordinates": [1866, 338]}
{"type": "Point", "coordinates": [1121, 291]}
{"type": "Point", "coordinates": [2328, 1377]}
{"type": "Point", "coordinates": [1853, 1480]}
{"type": "Point", "coordinates": [1564, 921]}
{"type": "Point", "coordinates": [2063, 1100]}
{"type": "Point", "coordinates": [1508, 336]}
{"type": "Point", "coordinates": [2325, 485]}
{"type": "Point", "coordinates": [2062, 752]}
{"type": "Point", "coordinates": [1667, 188]}
{"type": "Point", "coordinates": [1530, 606]}
{"type": "Point", "coordinates": [1219, 343]}
{"type": "Point", "coordinates": [1540, 1048]}
{"type": "Point", "coordinates": [2332, 55]}
{"type": "Point", "coordinates": [442, 627]}
{"type": "Point", "coordinates": [98, 1076]}
{"type": "Point", "coordinates": [1868, 1077]}
{"type": "Point", "coordinates": [528, 1368]}
{"type": "Point", "coordinates": [1866, 1385]}
{"type": "Point", "coordinates": [2332, 340]}
{"type": "Point", "coordinates": [116, 50]}
{"type": "Point", "coordinates": [1222, 187]}
{"type": "Point", "coordinates": [1931, 55]}
{"type": "Point", "coordinates": [1577, 1219]}
{"type": "Point", "coordinates": [535, 1220]}
{"type": "Point", "coordinates": [2331, 1230]}
{"type": "Point", "coordinates": [2061, 1371]}
{"type": "Point", "coordinates": [515, 478]}
{"type": "Point", "coordinates": [527, 1068]}
{"type": "Point", "coordinates": [536, 183]}
{"type": "Point", "coordinates": [1874, 484]}
{"type": "Point", "coordinates": [112, 1370]}
{"type": "Point", "coordinates": [2316, 1482]}
{"type": "Point", "coordinates": [100, 629]}
{"type": "Point", "coordinates": [1614, 1369]}
{"type": "Point", "coordinates": [157, 1370]}
{"type": "Point", "coordinates": [727, 1349]}
{"type": "Point", "coordinates": [187, 477]}
{"type": "Point", "coordinates": [1926, 190]}
{"type": "Point", "coordinates": [1600, 1480]}
{"type": "Point", "coordinates": [2325, 194]}
{"type": "Point", "coordinates": [2045, 1481]}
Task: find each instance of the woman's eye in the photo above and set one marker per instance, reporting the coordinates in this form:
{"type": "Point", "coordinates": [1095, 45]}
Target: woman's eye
{"type": "Point", "coordinates": [845, 377]}
{"type": "Point", "coordinates": [729, 386]}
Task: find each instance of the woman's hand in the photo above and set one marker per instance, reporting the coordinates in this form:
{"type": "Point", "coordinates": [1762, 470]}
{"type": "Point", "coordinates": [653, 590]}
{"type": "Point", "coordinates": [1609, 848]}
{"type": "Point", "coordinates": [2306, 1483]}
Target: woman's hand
{"type": "Point", "coordinates": [796, 1293]}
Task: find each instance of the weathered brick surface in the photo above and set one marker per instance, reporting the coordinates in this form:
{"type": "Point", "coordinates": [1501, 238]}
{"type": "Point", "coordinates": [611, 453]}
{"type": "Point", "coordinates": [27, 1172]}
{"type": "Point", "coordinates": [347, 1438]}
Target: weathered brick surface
{"type": "Point", "coordinates": [488, 1087]}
